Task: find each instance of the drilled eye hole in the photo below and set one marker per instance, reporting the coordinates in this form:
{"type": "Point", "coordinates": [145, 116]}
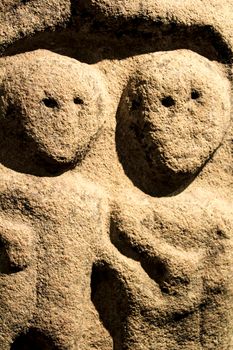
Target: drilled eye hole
{"type": "Point", "coordinates": [78, 101]}
{"type": "Point", "coordinates": [195, 94]}
{"type": "Point", "coordinates": [168, 101]}
{"type": "Point", "coordinates": [50, 102]}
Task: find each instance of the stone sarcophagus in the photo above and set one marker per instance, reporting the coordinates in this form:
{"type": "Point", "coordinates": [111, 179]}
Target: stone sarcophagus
{"type": "Point", "coordinates": [116, 175]}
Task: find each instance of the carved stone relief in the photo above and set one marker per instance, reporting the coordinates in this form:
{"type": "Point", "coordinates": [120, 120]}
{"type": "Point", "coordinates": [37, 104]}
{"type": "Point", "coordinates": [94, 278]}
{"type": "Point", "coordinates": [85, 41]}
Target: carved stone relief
{"type": "Point", "coordinates": [116, 175]}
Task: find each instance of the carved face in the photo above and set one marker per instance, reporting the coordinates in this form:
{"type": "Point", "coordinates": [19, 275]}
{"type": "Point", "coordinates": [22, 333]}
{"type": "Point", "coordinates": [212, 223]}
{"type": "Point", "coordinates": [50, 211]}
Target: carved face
{"type": "Point", "coordinates": [175, 108]}
{"type": "Point", "coordinates": [58, 101]}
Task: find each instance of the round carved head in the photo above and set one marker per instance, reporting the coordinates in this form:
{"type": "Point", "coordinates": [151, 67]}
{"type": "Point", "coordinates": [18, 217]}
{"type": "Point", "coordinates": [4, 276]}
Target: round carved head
{"type": "Point", "coordinates": [58, 103]}
{"type": "Point", "coordinates": [176, 111]}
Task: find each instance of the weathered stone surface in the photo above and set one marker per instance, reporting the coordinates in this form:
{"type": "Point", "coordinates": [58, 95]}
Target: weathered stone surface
{"type": "Point", "coordinates": [116, 175]}
{"type": "Point", "coordinates": [175, 116]}
{"type": "Point", "coordinates": [56, 103]}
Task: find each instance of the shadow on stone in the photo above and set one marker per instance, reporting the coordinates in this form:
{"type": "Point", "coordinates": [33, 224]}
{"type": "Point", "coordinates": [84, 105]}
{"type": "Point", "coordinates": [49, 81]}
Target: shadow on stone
{"type": "Point", "coordinates": [110, 300]}
{"type": "Point", "coordinates": [33, 340]}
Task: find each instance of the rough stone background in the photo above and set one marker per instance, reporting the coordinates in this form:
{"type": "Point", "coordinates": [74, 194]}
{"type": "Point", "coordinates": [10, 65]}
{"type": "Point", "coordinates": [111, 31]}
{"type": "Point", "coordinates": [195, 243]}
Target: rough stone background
{"type": "Point", "coordinates": [116, 175]}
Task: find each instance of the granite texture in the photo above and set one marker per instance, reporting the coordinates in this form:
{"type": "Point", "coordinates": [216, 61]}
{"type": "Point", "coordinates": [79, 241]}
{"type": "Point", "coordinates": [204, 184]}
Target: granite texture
{"type": "Point", "coordinates": [116, 175]}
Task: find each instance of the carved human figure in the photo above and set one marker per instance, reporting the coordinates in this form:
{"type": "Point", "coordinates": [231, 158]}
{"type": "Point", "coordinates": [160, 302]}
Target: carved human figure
{"type": "Point", "coordinates": [166, 280]}
{"type": "Point", "coordinates": [155, 271]}
{"type": "Point", "coordinates": [170, 260]}
{"type": "Point", "coordinates": [46, 254]}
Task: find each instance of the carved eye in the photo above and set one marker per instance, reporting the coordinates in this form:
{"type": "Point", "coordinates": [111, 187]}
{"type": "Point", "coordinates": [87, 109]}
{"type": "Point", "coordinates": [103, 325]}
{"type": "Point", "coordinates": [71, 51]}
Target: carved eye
{"type": "Point", "coordinates": [50, 102]}
{"type": "Point", "coordinates": [78, 101]}
{"type": "Point", "coordinates": [195, 94]}
{"type": "Point", "coordinates": [168, 101]}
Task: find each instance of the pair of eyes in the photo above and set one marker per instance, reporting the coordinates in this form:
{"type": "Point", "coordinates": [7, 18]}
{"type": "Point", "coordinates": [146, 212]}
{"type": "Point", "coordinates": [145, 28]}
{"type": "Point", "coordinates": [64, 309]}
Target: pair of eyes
{"type": "Point", "coordinates": [50, 102]}
{"type": "Point", "coordinates": [169, 101]}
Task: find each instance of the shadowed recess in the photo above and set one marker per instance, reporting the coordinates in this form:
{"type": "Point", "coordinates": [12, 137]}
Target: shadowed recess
{"type": "Point", "coordinates": [103, 42]}
{"type": "Point", "coordinates": [33, 340]}
{"type": "Point", "coordinates": [109, 297]}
